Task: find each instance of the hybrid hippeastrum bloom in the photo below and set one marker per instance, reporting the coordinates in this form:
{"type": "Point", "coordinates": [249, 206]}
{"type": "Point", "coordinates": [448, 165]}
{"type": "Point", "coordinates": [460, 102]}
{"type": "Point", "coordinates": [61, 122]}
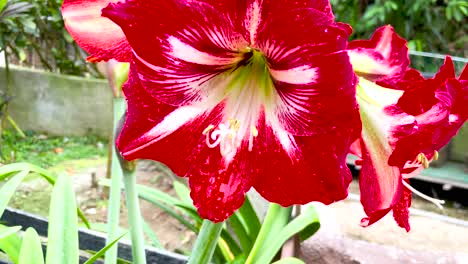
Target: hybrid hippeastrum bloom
{"type": "Point", "coordinates": [406, 119]}
{"type": "Point", "coordinates": [232, 94]}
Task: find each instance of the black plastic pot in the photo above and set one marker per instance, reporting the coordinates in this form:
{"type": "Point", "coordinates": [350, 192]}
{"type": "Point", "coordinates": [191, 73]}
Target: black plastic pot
{"type": "Point", "coordinates": [88, 240]}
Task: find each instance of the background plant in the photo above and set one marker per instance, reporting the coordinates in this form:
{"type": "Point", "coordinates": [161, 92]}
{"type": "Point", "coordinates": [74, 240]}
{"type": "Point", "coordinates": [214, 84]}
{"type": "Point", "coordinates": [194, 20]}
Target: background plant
{"type": "Point", "coordinates": [430, 25]}
{"type": "Point", "coordinates": [38, 38]}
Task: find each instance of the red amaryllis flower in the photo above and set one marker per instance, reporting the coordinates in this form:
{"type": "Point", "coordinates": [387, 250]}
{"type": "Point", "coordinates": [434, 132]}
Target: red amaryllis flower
{"type": "Point", "coordinates": [234, 94]}
{"type": "Point", "coordinates": [406, 120]}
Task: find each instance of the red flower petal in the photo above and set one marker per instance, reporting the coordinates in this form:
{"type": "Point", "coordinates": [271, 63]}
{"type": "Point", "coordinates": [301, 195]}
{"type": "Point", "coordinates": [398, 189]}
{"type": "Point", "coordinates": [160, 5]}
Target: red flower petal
{"type": "Point", "coordinates": [440, 108]}
{"type": "Point", "coordinates": [317, 95]}
{"type": "Point", "coordinates": [316, 170]}
{"type": "Point", "coordinates": [99, 36]}
{"type": "Point", "coordinates": [191, 44]}
{"type": "Point", "coordinates": [400, 126]}
{"type": "Point", "coordinates": [380, 184]}
{"type": "Point", "coordinates": [318, 33]}
{"type": "Point", "coordinates": [383, 58]}
{"type": "Point", "coordinates": [217, 190]}
{"type": "Point", "coordinates": [401, 209]}
{"type": "Point", "coordinates": [196, 84]}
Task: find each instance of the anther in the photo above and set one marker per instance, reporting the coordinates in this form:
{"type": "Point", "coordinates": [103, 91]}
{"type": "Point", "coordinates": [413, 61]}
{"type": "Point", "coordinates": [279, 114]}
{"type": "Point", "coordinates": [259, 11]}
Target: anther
{"type": "Point", "coordinates": [436, 155]}
{"type": "Point", "coordinates": [254, 131]}
{"type": "Point", "coordinates": [208, 129]}
{"type": "Point", "coordinates": [422, 159]}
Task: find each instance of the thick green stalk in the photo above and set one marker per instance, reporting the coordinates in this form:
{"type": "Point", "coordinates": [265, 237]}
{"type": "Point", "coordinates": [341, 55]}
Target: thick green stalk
{"type": "Point", "coordinates": [134, 213]}
{"type": "Point", "coordinates": [276, 218]}
{"type": "Point", "coordinates": [206, 243]}
{"type": "Point", "coordinates": [113, 213]}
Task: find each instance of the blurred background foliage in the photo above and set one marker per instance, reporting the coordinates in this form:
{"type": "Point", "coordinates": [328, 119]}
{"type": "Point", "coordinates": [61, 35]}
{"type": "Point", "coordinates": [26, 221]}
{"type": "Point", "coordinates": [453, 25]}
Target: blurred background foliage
{"type": "Point", "coordinates": [32, 34]}
{"type": "Point", "coordinates": [439, 26]}
{"type": "Point", "coordinates": [32, 31]}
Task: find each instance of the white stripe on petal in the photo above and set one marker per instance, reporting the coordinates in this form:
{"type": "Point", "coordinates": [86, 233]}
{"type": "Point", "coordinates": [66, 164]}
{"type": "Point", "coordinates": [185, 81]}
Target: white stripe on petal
{"type": "Point", "coordinates": [253, 20]}
{"type": "Point", "coordinates": [185, 52]}
{"type": "Point", "coordinates": [285, 138]}
{"type": "Point", "coordinates": [384, 46]}
{"type": "Point", "coordinates": [168, 125]}
{"type": "Point", "coordinates": [300, 75]}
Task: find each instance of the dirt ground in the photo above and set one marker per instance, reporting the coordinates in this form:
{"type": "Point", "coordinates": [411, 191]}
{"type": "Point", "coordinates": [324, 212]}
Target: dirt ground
{"type": "Point", "coordinates": [433, 239]}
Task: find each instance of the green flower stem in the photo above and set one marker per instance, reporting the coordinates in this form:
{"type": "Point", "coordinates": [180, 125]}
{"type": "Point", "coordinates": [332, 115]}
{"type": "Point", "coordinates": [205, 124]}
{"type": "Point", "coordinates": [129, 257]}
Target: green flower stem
{"type": "Point", "coordinates": [276, 218]}
{"type": "Point", "coordinates": [206, 243]}
{"type": "Point", "coordinates": [113, 213]}
{"type": "Point", "coordinates": [134, 215]}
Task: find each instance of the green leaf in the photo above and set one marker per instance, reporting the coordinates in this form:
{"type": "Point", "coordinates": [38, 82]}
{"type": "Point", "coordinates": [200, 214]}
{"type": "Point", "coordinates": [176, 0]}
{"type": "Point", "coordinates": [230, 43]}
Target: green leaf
{"type": "Point", "coordinates": [302, 222]}
{"type": "Point", "coordinates": [11, 245]}
{"type": "Point", "coordinates": [290, 260]}
{"type": "Point", "coordinates": [166, 203]}
{"type": "Point", "coordinates": [31, 249]}
{"type": "Point", "coordinates": [154, 199]}
{"type": "Point", "coordinates": [9, 231]}
{"type": "Point", "coordinates": [152, 236]}
{"type": "Point", "coordinates": [7, 190]}
{"type": "Point", "coordinates": [249, 219]}
{"type": "Point", "coordinates": [240, 231]}
{"type": "Point", "coordinates": [240, 259]}
{"type": "Point", "coordinates": [206, 242]}
{"type": "Point", "coordinates": [183, 192]}
{"type": "Point", "coordinates": [7, 170]}
{"type": "Point", "coordinates": [101, 252]}
{"type": "Point", "coordinates": [62, 244]}
{"type": "Point", "coordinates": [2, 4]}
{"type": "Point", "coordinates": [276, 219]}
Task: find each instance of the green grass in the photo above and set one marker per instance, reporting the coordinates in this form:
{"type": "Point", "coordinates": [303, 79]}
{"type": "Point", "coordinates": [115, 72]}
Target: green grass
{"type": "Point", "coordinates": [49, 151]}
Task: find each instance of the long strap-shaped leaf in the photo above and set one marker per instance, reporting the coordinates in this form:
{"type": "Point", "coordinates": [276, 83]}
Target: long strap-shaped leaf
{"type": "Point", "coordinates": [4, 233]}
{"type": "Point", "coordinates": [62, 246]}
{"type": "Point", "coordinates": [11, 245]}
{"type": "Point", "coordinates": [7, 191]}
{"type": "Point", "coordinates": [101, 252]}
{"type": "Point", "coordinates": [308, 220]}
{"type": "Point", "coordinates": [31, 249]}
{"type": "Point", "coordinates": [9, 169]}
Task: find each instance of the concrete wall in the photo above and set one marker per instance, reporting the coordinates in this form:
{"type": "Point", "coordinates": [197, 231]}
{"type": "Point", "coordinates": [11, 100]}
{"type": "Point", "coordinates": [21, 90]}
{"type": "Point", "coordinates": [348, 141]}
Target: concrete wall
{"type": "Point", "coordinates": [67, 105]}
{"type": "Point", "coordinates": [59, 104]}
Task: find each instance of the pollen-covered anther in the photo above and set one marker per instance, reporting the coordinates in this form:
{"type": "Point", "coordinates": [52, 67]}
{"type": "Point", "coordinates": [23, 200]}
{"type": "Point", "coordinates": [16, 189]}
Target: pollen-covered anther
{"type": "Point", "coordinates": [253, 134]}
{"type": "Point", "coordinates": [224, 136]}
{"type": "Point", "coordinates": [423, 160]}
{"type": "Point", "coordinates": [436, 155]}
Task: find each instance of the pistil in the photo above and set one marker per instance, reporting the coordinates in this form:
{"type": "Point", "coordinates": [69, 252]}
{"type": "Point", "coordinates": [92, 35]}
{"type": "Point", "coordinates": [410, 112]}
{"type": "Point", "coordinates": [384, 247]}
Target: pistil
{"type": "Point", "coordinates": [437, 202]}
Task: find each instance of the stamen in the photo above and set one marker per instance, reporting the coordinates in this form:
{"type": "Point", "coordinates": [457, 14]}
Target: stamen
{"type": "Point", "coordinates": [208, 129]}
{"type": "Point", "coordinates": [254, 131]}
{"type": "Point", "coordinates": [436, 155]}
{"type": "Point", "coordinates": [422, 159]}
{"type": "Point", "coordinates": [224, 136]}
{"type": "Point", "coordinates": [253, 134]}
{"type": "Point", "coordinates": [437, 202]}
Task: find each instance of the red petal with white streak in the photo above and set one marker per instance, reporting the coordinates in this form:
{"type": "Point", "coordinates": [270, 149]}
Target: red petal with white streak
{"type": "Point", "coordinates": [315, 171]}
{"type": "Point", "coordinates": [316, 94]}
{"type": "Point", "coordinates": [383, 58]}
{"type": "Point", "coordinates": [150, 132]}
{"type": "Point", "coordinates": [440, 106]}
{"type": "Point", "coordinates": [99, 36]}
{"type": "Point", "coordinates": [179, 46]}
{"type": "Point", "coordinates": [380, 184]}
{"type": "Point", "coordinates": [307, 31]}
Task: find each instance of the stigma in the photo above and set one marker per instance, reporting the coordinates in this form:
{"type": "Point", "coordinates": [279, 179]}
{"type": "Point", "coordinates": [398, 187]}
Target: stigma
{"type": "Point", "coordinates": [228, 136]}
